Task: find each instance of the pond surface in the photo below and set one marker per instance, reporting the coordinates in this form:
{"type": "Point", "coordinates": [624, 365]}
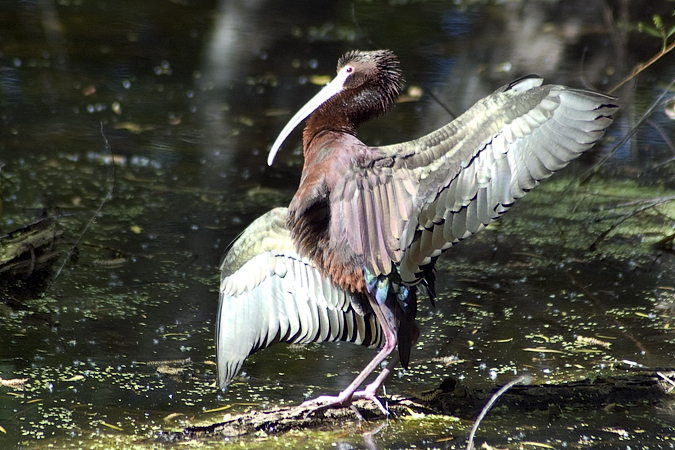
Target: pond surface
{"type": "Point", "coordinates": [173, 106]}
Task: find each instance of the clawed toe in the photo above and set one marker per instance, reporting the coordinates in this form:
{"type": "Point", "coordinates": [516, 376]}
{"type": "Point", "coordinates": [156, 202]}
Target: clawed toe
{"type": "Point", "coordinates": [326, 402]}
{"type": "Point", "coordinates": [367, 395]}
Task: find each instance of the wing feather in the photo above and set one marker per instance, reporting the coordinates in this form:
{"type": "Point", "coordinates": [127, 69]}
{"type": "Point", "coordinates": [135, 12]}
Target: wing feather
{"type": "Point", "coordinates": [420, 197]}
{"type": "Point", "coordinates": [270, 294]}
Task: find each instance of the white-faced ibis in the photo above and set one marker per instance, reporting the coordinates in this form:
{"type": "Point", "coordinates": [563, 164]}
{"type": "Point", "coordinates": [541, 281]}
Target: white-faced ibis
{"type": "Point", "coordinates": [363, 231]}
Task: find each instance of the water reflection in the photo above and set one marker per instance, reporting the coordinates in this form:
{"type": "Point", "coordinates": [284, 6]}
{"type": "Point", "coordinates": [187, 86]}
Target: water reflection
{"type": "Point", "coordinates": [190, 97]}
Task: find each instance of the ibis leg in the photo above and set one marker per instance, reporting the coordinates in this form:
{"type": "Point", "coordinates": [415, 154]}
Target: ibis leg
{"type": "Point", "coordinates": [345, 398]}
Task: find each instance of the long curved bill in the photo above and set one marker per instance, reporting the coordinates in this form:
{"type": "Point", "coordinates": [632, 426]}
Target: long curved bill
{"type": "Point", "coordinates": [334, 87]}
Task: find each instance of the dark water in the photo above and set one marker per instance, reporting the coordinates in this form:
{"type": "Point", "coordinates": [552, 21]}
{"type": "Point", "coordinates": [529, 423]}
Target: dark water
{"type": "Point", "coordinates": [186, 98]}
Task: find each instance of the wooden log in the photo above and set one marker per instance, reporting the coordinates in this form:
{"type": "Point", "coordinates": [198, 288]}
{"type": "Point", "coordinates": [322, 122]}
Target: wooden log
{"type": "Point", "coordinates": [28, 250]}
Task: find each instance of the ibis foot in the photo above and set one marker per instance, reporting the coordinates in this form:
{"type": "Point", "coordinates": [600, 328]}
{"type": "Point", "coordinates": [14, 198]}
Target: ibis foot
{"type": "Point", "coordinates": [344, 400]}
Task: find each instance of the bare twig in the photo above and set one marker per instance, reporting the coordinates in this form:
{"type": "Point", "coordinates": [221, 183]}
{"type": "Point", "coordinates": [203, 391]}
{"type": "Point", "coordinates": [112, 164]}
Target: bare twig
{"type": "Point", "coordinates": [93, 217]}
{"type": "Point", "coordinates": [525, 379]}
{"type": "Point", "coordinates": [647, 204]}
{"type": "Point", "coordinates": [641, 67]}
{"type": "Point", "coordinates": [668, 142]}
{"type": "Point", "coordinates": [666, 378]}
{"type": "Point", "coordinates": [625, 217]}
{"type": "Point", "coordinates": [663, 135]}
{"type": "Point", "coordinates": [440, 103]}
{"type": "Point", "coordinates": [2, 165]}
{"type": "Point", "coordinates": [596, 167]}
{"type": "Point", "coordinates": [655, 201]}
{"type": "Point", "coordinates": [14, 383]}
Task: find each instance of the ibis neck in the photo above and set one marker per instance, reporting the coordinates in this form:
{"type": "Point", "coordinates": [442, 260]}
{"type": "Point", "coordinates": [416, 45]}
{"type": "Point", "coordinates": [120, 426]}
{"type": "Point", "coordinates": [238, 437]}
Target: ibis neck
{"type": "Point", "coordinates": [318, 126]}
{"type": "Point", "coordinates": [342, 114]}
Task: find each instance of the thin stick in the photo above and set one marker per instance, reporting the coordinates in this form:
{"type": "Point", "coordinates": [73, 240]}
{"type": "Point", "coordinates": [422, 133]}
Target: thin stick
{"type": "Point", "coordinates": [2, 165]}
{"type": "Point", "coordinates": [93, 217]}
{"type": "Point", "coordinates": [525, 379]}
{"type": "Point", "coordinates": [642, 67]}
{"type": "Point", "coordinates": [596, 167]}
{"type": "Point", "coordinates": [666, 378]}
{"type": "Point", "coordinates": [440, 103]}
{"type": "Point", "coordinates": [625, 217]}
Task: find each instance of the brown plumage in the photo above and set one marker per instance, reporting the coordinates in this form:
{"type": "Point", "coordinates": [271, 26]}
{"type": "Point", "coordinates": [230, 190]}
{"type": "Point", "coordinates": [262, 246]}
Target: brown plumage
{"type": "Point", "coordinates": [368, 223]}
{"type": "Point", "coordinates": [330, 147]}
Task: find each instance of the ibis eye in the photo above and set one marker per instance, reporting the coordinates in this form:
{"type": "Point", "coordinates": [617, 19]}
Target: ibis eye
{"type": "Point", "coordinates": [350, 69]}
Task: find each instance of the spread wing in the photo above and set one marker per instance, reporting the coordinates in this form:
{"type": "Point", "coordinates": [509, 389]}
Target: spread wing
{"type": "Point", "coordinates": [269, 294]}
{"type": "Point", "coordinates": [416, 199]}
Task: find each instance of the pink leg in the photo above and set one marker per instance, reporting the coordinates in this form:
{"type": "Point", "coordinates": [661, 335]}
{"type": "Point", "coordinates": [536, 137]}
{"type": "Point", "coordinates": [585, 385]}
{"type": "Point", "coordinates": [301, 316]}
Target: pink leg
{"type": "Point", "coordinates": [346, 397]}
{"type": "Point", "coordinates": [370, 392]}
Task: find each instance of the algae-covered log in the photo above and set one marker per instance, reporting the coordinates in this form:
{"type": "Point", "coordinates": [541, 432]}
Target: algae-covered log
{"type": "Point", "coordinates": [29, 250]}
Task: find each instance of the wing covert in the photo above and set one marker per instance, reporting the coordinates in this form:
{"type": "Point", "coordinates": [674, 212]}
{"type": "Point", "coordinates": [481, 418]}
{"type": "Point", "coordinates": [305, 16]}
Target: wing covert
{"type": "Point", "coordinates": [416, 199]}
{"type": "Point", "coordinates": [270, 294]}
